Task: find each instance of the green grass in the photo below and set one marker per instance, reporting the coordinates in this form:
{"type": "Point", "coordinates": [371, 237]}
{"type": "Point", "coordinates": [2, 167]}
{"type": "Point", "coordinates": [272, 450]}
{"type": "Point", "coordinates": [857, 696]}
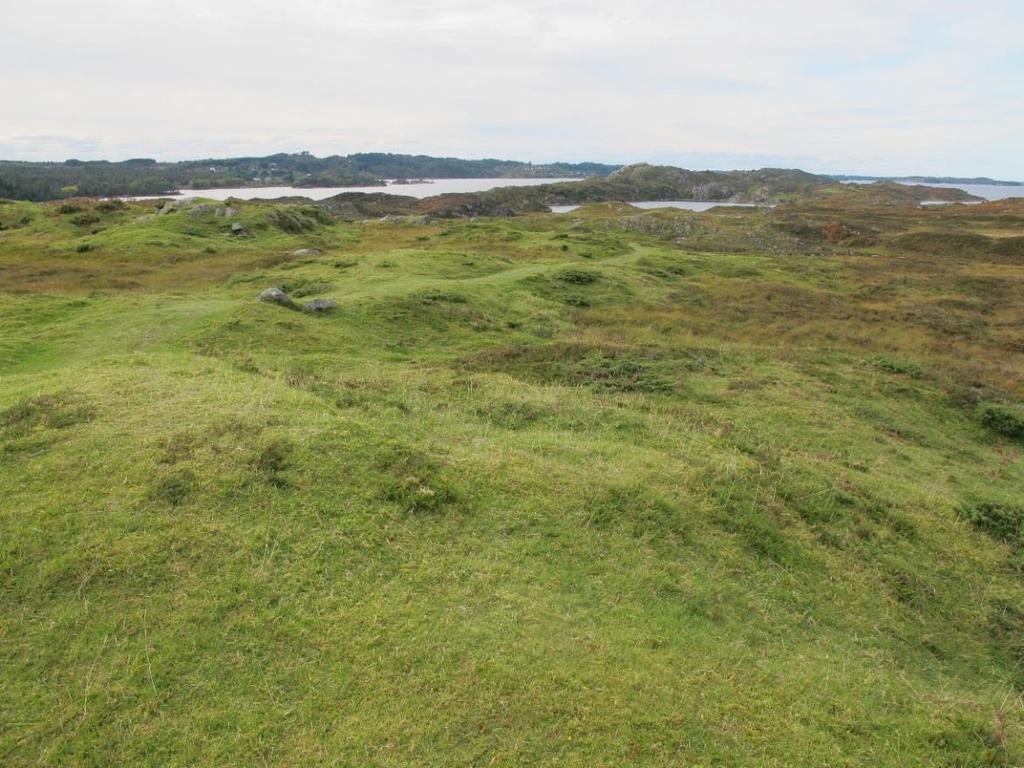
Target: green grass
{"type": "Point", "coordinates": [640, 501]}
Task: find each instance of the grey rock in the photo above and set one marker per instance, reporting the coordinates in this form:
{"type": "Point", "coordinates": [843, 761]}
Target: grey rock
{"type": "Point", "coordinates": [319, 306]}
{"type": "Point", "coordinates": [202, 209]}
{"type": "Point", "coordinates": [238, 229]}
{"type": "Point", "coordinates": [226, 212]}
{"type": "Point", "coordinates": [170, 206]}
{"type": "Point", "coordinates": [305, 252]}
{"type": "Point", "coordinates": [277, 296]}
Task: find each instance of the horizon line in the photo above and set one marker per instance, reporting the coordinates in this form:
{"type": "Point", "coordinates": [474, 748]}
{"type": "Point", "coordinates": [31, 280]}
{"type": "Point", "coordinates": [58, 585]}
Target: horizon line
{"type": "Point", "coordinates": [836, 174]}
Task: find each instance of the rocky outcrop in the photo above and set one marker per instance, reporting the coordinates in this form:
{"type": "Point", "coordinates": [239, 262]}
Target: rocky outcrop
{"type": "Point", "coordinates": [295, 219]}
{"type": "Point", "coordinates": [366, 205]}
{"type": "Point", "coordinates": [203, 209]}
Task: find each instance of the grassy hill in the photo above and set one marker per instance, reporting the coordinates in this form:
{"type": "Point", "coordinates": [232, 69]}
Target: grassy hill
{"type": "Point", "coordinates": [614, 487]}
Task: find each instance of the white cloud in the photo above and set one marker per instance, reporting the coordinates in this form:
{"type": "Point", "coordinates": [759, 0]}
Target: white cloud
{"type": "Point", "coordinates": [908, 86]}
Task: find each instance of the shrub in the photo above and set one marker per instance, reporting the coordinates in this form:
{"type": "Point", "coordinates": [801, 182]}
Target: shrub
{"type": "Point", "coordinates": [1004, 419]}
{"type": "Point", "coordinates": [1004, 522]}
{"type": "Point", "coordinates": [576, 301]}
{"type": "Point", "coordinates": [902, 367]}
{"type": "Point", "coordinates": [836, 232]}
{"type": "Point", "coordinates": [434, 296]}
{"type": "Point", "coordinates": [109, 206]}
{"type": "Point", "coordinates": [577, 277]}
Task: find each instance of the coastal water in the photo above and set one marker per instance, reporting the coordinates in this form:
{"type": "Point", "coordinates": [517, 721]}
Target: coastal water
{"type": "Point", "coordinates": [688, 205]}
{"type": "Point", "coordinates": [417, 189]}
{"type": "Point", "coordinates": [429, 188]}
{"type": "Point", "coordinates": [986, 191]}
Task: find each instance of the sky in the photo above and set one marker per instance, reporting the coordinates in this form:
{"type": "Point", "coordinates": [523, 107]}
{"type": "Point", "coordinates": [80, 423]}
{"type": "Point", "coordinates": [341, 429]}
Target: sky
{"type": "Point", "coordinates": [854, 86]}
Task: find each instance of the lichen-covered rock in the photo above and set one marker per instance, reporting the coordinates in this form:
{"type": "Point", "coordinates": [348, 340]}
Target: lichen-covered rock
{"type": "Point", "coordinates": [238, 230]}
{"type": "Point", "coordinates": [319, 306]}
{"type": "Point", "coordinates": [277, 296]}
{"type": "Point", "coordinates": [203, 209]}
{"type": "Point", "coordinates": [296, 220]}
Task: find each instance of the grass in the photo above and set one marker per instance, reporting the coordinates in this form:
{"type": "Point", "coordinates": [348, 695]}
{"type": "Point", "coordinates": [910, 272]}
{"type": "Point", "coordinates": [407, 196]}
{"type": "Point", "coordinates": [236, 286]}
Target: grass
{"type": "Point", "coordinates": [694, 490]}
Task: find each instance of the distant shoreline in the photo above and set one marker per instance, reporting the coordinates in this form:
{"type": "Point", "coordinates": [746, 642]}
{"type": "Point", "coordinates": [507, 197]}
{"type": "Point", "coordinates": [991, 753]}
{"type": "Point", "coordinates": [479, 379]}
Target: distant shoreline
{"type": "Point", "coordinates": [931, 180]}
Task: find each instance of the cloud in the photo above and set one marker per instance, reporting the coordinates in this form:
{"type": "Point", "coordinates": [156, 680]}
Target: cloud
{"type": "Point", "coordinates": [929, 87]}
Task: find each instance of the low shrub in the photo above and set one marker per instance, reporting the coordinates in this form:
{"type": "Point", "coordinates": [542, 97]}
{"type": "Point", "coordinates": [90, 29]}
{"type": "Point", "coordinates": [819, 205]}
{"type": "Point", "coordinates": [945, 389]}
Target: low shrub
{"type": "Point", "coordinates": [1006, 420]}
{"type": "Point", "coordinates": [577, 277]}
{"type": "Point", "coordinates": [902, 367]}
{"type": "Point", "coordinates": [109, 206]}
{"type": "Point", "coordinates": [434, 296]}
{"type": "Point", "coordinates": [1004, 522]}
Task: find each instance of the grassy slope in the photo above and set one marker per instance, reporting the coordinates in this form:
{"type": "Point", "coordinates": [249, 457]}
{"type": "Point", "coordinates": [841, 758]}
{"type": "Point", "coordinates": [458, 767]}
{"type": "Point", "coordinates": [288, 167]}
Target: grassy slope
{"type": "Point", "coordinates": [601, 489]}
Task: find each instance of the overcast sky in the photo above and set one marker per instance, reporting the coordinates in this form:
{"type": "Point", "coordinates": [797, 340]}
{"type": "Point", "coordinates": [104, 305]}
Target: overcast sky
{"type": "Point", "coordinates": [899, 86]}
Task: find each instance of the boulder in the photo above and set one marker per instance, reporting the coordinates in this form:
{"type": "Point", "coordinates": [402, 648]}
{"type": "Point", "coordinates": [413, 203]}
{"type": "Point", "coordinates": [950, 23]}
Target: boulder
{"type": "Point", "coordinates": [276, 296]}
{"type": "Point", "coordinates": [320, 306]}
{"type": "Point", "coordinates": [170, 206]}
{"type": "Point", "coordinates": [202, 209]}
{"type": "Point", "coordinates": [238, 229]}
{"type": "Point", "coordinates": [226, 212]}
